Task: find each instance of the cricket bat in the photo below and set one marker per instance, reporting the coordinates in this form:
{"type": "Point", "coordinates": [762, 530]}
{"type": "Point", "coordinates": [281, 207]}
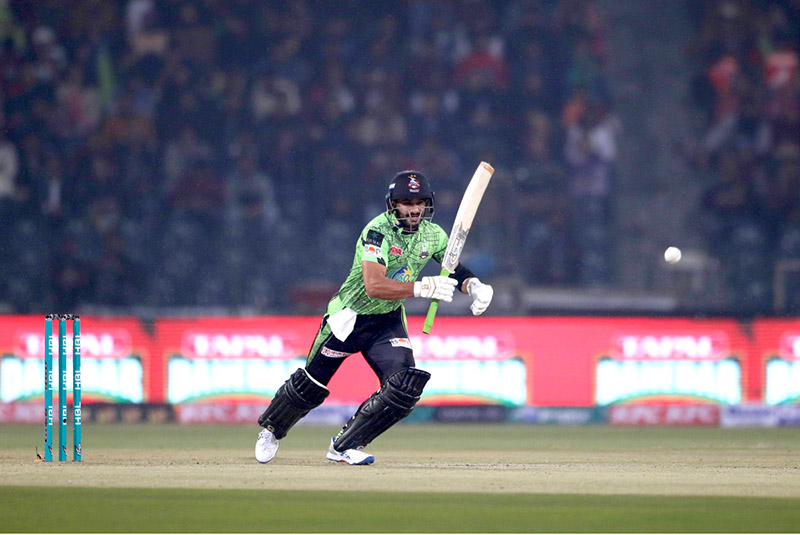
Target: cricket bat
{"type": "Point", "coordinates": [461, 226]}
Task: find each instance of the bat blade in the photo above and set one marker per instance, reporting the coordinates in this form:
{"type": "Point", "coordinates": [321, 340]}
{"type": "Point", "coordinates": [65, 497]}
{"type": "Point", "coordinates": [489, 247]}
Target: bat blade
{"type": "Point", "coordinates": [466, 214]}
{"type": "Point", "coordinates": [461, 227]}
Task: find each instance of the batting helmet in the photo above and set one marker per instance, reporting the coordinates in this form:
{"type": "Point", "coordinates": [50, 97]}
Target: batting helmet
{"type": "Point", "coordinates": [410, 185]}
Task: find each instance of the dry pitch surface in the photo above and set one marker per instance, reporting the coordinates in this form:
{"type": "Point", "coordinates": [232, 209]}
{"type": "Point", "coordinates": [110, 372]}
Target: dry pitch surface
{"type": "Point", "coordinates": [412, 458]}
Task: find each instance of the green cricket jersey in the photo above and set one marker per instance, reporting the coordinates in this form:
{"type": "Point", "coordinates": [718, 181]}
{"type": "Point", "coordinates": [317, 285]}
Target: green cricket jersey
{"type": "Point", "coordinates": [403, 254]}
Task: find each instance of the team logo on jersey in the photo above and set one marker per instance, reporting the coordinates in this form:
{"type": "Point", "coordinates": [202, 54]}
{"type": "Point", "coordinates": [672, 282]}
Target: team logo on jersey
{"type": "Point", "coordinates": [396, 251]}
{"type": "Point", "coordinates": [372, 250]}
{"type": "Point", "coordinates": [413, 184]}
{"type": "Point", "coordinates": [400, 342]}
{"type": "Point", "coordinates": [424, 252]}
{"type": "Point", "coordinates": [403, 274]}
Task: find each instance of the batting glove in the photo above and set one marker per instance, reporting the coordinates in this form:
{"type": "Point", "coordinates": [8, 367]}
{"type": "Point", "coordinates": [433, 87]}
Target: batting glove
{"type": "Point", "coordinates": [481, 295]}
{"type": "Point", "coordinates": [437, 287]}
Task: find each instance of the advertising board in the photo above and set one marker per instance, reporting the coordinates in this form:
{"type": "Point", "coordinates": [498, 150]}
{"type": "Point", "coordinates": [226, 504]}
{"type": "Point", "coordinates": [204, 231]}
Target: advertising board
{"type": "Point", "coordinates": [229, 368]}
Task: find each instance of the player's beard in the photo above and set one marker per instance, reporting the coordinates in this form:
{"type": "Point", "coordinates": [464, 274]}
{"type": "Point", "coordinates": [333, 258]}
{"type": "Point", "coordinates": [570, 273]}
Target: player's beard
{"type": "Point", "coordinates": [411, 222]}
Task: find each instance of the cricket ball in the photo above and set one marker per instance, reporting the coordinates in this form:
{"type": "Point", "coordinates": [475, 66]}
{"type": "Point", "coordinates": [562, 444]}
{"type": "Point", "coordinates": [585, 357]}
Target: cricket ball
{"type": "Point", "coordinates": [672, 255]}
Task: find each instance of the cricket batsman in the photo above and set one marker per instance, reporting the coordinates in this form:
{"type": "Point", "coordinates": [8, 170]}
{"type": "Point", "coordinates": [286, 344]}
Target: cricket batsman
{"type": "Point", "coordinates": [367, 315]}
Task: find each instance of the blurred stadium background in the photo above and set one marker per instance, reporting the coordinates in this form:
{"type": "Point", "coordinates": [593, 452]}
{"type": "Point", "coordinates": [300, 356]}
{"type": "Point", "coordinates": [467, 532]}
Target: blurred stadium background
{"type": "Point", "coordinates": [189, 176]}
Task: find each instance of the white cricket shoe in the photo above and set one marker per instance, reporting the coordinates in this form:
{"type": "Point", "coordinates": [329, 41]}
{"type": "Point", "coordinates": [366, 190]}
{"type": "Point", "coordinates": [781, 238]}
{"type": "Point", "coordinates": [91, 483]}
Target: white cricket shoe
{"type": "Point", "coordinates": [349, 456]}
{"type": "Point", "coordinates": [266, 446]}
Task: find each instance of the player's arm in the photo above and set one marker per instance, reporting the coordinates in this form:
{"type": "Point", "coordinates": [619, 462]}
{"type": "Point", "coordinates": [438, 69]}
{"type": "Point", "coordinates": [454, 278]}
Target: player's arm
{"type": "Point", "coordinates": [462, 276]}
{"type": "Point", "coordinates": [469, 284]}
{"type": "Point", "coordinates": [379, 286]}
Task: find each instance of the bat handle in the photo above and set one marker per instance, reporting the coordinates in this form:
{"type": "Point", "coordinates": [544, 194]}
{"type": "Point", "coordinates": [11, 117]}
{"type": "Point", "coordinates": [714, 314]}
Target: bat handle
{"type": "Point", "coordinates": [426, 328]}
{"type": "Point", "coordinates": [431, 314]}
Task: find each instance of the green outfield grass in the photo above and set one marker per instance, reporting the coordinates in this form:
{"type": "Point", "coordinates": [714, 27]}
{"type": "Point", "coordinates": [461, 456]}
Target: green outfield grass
{"type": "Point", "coordinates": [171, 510]}
{"type": "Point", "coordinates": [110, 492]}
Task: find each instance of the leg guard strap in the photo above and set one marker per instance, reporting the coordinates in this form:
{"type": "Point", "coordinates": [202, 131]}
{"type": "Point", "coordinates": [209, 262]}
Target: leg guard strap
{"type": "Point", "coordinates": [393, 402]}
{"type": "Point", "coordinates": [294, 399]}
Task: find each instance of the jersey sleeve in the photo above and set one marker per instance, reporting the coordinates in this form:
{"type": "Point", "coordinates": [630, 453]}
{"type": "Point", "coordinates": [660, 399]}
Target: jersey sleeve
{"type": "Point", "coordinates": [373, 247]}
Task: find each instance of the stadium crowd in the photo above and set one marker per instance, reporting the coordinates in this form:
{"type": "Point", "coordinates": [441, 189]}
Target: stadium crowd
{"type": "Point", "coordinates": [746, 91]}
{"type": "Point", "coordinates": [203, 153]}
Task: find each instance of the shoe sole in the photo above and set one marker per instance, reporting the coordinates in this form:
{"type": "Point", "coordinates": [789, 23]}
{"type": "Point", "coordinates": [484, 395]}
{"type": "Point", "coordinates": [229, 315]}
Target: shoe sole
{"type": "Point", "coordinates": [368, 460]}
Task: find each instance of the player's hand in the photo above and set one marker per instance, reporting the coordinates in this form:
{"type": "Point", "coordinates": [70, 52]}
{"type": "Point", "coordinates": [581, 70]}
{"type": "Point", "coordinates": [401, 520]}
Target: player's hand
{"type": "Point", "coordinates": [481, 295]}
{"type": "Point", "coordinates": [438, 287]}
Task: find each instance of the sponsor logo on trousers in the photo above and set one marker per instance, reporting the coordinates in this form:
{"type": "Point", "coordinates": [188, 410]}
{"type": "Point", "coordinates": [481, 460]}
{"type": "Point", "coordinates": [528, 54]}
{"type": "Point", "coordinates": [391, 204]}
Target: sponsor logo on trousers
{"type": "Point", "coordinates": [328, 352]}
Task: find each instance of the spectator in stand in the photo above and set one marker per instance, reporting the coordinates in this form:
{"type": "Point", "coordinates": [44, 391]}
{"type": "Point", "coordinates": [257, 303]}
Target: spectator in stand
{"type": "Point", "coordinates": [590, 151]}
{"type": "Point", "coordinates": [182, 153]}
{"type": "Point", "coordinates": [485, 67]}
{"type": "Point", "coordinates": [541, 200]}
{"type": "Point", "coordinates": [9, 169]}
{"type": "Point", "coordinates": [199, 195]}
{"type": "Point", "coordinates": [78, 104]}
{"type": "Point", "coordinates": [252, 195]}
{"type": "Point", "coordinates": [733, 200]}
{"type": "Point", "coordinates": [71, 277]}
